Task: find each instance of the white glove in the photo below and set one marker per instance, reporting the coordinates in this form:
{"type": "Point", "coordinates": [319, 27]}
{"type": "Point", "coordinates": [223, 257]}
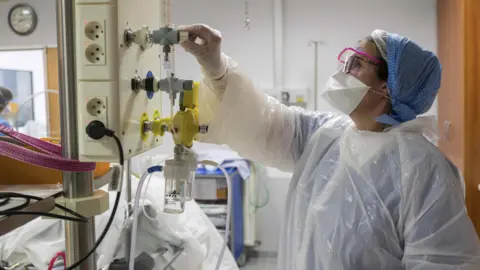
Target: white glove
{"type": "Point", "coordinates": [207, 50]}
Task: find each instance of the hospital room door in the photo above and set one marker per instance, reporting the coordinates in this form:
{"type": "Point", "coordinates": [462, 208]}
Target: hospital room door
{"type": "Point", "coordinates": [459, 97]}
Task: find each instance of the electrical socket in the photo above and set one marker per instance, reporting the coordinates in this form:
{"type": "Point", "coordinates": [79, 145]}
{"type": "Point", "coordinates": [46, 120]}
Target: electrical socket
{"type": "Point", "coordinates": [94, 30]}
{"type": "Point", "coordinates": [97, 107]}
{"type": "Point", "coordinates": [95, 54]}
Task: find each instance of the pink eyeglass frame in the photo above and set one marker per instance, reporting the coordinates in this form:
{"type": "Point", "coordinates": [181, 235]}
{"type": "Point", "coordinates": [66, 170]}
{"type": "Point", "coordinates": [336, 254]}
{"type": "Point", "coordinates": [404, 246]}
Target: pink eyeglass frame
{"type": "Point", "coordinates": [373, 59]}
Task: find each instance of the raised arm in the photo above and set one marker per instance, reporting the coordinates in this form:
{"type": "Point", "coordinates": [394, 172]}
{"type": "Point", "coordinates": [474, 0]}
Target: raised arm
{"type": "Point", "coordinates": [250, 122]}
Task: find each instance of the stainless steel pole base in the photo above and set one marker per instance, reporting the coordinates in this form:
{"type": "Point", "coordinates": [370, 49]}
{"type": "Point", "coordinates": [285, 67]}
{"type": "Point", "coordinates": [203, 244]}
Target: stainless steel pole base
{"type": "Point", "coordinates": [79, 237]}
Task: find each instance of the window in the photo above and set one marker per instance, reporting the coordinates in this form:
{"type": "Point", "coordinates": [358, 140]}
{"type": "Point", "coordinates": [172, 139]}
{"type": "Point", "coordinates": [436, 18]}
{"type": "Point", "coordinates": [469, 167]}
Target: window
{"type": "Point", "coordinates": [21, 84]}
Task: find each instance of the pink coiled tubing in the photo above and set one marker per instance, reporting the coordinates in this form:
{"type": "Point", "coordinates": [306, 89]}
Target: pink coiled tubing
{"type": "Point", "coordinates": [49, 157]}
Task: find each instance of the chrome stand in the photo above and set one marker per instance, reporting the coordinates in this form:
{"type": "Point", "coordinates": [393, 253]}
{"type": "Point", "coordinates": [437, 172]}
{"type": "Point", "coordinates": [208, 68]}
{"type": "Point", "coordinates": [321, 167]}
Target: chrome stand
{"type": "Point", "coordinates": [79, 237]}
{"type": "Point", "coordinates": [128, 229]}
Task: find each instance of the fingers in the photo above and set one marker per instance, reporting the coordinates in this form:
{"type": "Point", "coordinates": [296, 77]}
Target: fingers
{"type": "Point", "coordinates": [189, 45]}
{"type": "Point", "coordinates": [197, 29]}
{"type": "Point", "coordinates": [195, 49]}
{"type": "Point", "coordinates": [204, 32]}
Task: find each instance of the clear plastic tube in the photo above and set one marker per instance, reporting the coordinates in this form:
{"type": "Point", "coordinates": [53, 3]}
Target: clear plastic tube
{"type": "Point", "coordinates": [133, 242]}
{"type": "Point", "coordinates": [168, 72]}
{"type": "Point", "coordinates": [136, 210]}
{"type": "Point", "coordinates": [133, 246]}
{"type": "Point", "coordinates": [28, 99]}
{"type": "Point", "coordinates": [165, 8]}
{"type": "Point", "coordinates": [168, 64]}
{"type": "Point", "coordinates": [229, 206]}
{"type": "Point", "coordinates": [146, 188]}
{"type": "Point", "coordinates": [254, 191]}
{"type": "Point", "coordinates": [144, 195]}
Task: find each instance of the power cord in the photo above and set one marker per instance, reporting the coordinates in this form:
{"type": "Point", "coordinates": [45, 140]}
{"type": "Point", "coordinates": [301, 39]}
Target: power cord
{"type": "Point", "coordinates": [11, 195]}
{"type": "Point", "coordinates": [97, 130]}
{"type": "Point", "coordinates": [4, 202]}
{"type": "Point", "coordinates": [17, 210]}
{"type": "Point", "coordinates": [42, 214]}
{"type": "Point", "coordinates": [7, 199]}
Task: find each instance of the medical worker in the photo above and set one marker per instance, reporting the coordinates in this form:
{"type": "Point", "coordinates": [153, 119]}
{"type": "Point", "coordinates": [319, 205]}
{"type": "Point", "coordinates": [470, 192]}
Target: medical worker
{"type": "Point", "coordinates": [369, 190]}
{"type": "Point", "coordinates": [5, 97]}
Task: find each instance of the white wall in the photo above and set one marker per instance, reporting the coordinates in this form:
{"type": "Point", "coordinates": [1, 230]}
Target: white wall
{"type": "Point", "coordinates": [338, 23]}
{"type": "Point", "coordinates": [251, 49]}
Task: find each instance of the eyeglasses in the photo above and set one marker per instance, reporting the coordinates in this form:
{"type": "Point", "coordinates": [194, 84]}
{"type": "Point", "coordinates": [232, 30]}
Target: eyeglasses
{"type": "Point", "coordinates": [351, 58]}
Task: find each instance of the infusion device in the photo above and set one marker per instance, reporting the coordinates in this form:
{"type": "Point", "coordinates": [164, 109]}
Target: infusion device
{"type": "Point", "coordinates": [180, 171]}
{"type": "Point", "coordinates": [111, 55]}
{"type": "Point", "coordinates": [118, 61]}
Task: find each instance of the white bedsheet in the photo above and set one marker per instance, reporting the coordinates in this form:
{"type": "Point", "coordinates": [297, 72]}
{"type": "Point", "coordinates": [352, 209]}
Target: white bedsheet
{"type": "Point", "coordinates": [39, 240]}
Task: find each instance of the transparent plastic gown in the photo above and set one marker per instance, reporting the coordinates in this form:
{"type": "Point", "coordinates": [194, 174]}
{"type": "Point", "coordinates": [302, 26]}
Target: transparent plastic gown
{"type": "Point", "coordinates": [357, 199]}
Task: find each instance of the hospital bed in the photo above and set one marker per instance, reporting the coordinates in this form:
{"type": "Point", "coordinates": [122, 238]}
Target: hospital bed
{"type": "Point", "coordinates": [189, 239]}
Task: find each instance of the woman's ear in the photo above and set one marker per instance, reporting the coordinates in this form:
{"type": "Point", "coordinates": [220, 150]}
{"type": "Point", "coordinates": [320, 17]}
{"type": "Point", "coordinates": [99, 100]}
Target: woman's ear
{"type": "Point", "coordinates": [385, 90]}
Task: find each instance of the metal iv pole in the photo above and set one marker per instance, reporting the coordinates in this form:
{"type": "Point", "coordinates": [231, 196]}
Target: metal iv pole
{"type": "Point", "coordinates": [128, 239]}
{"type": "Point", "coordinates": [315, 43]}
{"type": "Point", "coordinates": [79, 237]}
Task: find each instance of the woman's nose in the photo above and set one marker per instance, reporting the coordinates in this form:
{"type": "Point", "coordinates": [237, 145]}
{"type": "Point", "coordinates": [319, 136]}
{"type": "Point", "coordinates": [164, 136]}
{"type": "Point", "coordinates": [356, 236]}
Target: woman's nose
{"type": "Point", "coordinates": [353, 72]}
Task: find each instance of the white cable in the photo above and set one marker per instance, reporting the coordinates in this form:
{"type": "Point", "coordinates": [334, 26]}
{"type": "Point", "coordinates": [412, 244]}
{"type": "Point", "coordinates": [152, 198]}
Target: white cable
{"type": "Point", "coordinates": [229, 206]}
{"type": "Point", "coordinates": [136, 207]}
{"type": "Point", "coordinates": [144, 195]}
{"type": "Point", "coordinates": [133, 242]}
{"type": "Point", "coordinates": [27, 100]}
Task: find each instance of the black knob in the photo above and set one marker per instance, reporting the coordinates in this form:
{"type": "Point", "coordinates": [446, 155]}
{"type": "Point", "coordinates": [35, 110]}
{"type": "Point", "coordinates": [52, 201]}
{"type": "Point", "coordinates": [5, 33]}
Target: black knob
{"type": "Point", "coordinates": [150, 84]}
{"type": "Point", "coordinates": [136, 84]}
{"type": "Point", "coordinates": [188, 85]}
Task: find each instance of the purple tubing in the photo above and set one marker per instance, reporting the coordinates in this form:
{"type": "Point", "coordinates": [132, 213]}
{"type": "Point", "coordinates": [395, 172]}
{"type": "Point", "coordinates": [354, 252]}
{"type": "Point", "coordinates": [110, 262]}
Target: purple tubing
{"type": "Point", "coordinates": [50, 158]}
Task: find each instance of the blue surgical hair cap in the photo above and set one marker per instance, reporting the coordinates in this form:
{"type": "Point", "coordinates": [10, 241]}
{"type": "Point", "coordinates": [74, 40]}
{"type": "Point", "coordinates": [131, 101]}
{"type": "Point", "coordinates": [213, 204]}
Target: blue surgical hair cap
{"type": "Point", "coordinates": [414, 76]}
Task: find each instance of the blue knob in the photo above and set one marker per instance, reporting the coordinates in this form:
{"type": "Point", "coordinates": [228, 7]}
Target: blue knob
{"type": "Point", "coordinates": [150, 94]}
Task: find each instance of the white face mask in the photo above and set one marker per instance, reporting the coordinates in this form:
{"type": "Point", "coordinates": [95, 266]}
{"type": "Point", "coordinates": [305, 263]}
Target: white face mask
{"type": "Point", "coordinates": [344, 92]}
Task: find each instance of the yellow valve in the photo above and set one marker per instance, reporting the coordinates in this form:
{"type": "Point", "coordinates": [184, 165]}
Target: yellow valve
{"type": "Point", "coordinates": [143, 120]}
{"type": "Point", "coordinates": [156, 115]}
{"type": "Point", "coordinates": [190, 98]}
{"type": "Point", "coordinates": [159, 124]}
{"type": "Point", "coordinates": [186, 127]}
{"type": "Point", "coordinates": [185, 122]}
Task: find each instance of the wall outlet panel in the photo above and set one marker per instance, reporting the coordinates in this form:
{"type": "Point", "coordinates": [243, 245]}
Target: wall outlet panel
{"type": "Point", "coordinates": [108, 79]}
{"type": "Point", "coordinates": [105, 69]}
